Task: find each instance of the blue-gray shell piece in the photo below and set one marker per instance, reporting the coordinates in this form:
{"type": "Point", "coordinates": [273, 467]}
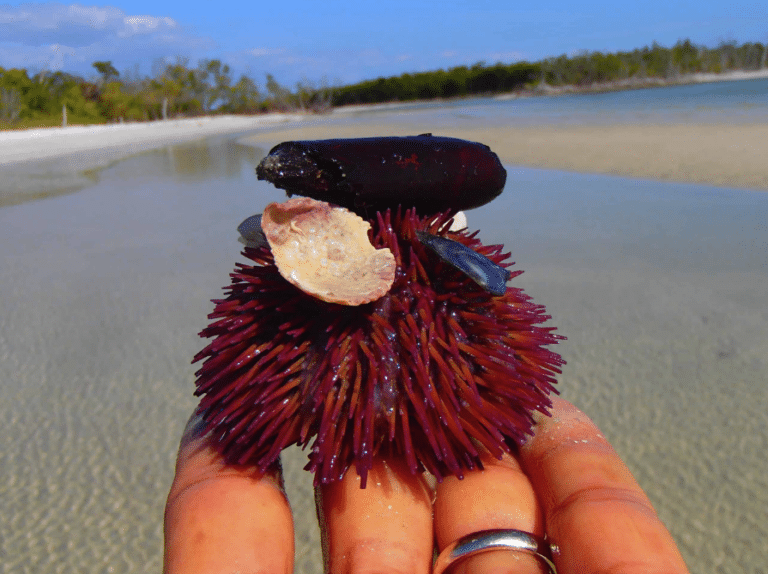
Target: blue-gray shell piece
{"type": "Point", "coordinates": [490, 276]}
{"type": "Point", "coordinates": [251, 233]}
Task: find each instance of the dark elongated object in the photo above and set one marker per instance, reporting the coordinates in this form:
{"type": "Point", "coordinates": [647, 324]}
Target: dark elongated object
{"type": "Point", "coordinates": [432, 174]}
{"type": "Point", "coordinates": [490, 276]}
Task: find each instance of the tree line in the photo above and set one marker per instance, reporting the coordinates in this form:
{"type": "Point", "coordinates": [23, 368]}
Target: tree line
{"type": "Point", "coordinates": [587, 70]}
{"type": "Point", "coordinates": [654, 62]}
{"type": "Point", "coordinates": [180, 90]}
{"type": "Point", "coordinates": [457, 82]}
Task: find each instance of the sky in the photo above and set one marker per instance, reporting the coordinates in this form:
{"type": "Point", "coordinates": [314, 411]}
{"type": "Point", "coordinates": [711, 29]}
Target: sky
{"type": "Point", "coordinates": [334, 42]}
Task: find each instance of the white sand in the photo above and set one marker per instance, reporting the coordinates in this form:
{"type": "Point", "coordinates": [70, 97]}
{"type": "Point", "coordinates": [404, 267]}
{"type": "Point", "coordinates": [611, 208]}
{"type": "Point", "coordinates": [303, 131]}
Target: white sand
{"type": "Point", "coordinates": [45, 143]}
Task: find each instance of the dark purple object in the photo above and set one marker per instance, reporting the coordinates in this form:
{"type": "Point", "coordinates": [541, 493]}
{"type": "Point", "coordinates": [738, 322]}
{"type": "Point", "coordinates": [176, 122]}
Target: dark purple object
{"type": "Point", "coordinates": [430, 173]}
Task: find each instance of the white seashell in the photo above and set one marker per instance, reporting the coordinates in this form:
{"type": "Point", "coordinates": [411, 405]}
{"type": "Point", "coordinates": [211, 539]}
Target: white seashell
{"type": "Point", "coordinates": [324, 250]}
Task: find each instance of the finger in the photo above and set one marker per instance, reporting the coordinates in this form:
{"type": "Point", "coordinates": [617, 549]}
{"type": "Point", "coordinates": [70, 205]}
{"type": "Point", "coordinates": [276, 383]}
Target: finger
{"type": "Point", "coordinates": [597, 516]}
{"type": "Point", "coordinates": [220, 518]}
{"type": "Point", "coordinates": [500, 496]}
{"type": "Point", "coordinates": [385, 527]}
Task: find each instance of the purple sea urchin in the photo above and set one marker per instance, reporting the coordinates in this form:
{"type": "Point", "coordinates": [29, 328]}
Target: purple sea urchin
{"type": "Point", "coordinates": [436, 371]}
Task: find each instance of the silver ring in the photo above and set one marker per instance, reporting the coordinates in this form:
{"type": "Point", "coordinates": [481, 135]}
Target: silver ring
{"type": "Point", "coordinates": [487, 540]}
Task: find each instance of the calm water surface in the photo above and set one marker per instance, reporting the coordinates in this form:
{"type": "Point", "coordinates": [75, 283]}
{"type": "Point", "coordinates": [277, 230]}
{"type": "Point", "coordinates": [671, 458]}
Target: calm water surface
{"type": "Point", "coordinates": [742, 101]}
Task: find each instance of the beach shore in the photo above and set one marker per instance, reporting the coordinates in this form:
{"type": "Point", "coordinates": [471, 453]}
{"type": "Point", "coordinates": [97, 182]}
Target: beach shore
{"type": "Point", "coordinates": [48, 162]}
{"type": "Point", "coordinates": [120, 140]}
{"type": "Point", "coordinates": [719, 154]}
{"type": "Point", "coordinates": [640, 83]}
{"type": "Point", "coordinates": [726, 155]}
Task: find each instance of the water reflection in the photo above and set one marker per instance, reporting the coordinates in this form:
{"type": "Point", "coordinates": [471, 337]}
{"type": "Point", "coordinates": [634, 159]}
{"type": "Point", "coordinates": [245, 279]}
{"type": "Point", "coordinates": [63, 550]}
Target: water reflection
{"type": "Point", "coordinates": [217, 157]}
{"type": "Point", "coordinates": [35, 180]}
{"type": "Point", "coordinates": [214, 158]}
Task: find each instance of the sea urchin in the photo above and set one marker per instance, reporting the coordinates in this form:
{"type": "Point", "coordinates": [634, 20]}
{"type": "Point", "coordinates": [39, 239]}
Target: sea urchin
{"type": "Point", "coordinates": [436, 371]}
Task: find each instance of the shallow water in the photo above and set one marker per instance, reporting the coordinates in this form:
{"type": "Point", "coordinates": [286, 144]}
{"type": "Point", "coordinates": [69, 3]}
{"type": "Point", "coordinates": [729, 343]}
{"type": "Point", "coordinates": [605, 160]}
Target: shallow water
{"type": "Point", "coordinates": [734, 101]}
{"type": "Point", "coordinates": [660, 289]}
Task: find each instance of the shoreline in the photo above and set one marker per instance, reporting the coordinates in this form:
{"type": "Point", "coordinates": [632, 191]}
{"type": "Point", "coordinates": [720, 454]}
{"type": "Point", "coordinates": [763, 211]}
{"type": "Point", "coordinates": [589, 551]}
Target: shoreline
{"type": "Point", "coordinates": [725, 154]}
{"type": "Point", "coordinates": [651, 82]}
{"type": "Point", "coordinates": [547, 90]}
{"type": "Point", "coordinates": [22, 146]}
{"type": "Point", "coordinates": [46, 162]}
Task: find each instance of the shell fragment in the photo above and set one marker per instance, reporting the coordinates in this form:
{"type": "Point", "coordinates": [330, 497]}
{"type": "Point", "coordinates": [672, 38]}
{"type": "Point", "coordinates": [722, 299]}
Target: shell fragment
{"type": "Point", "coordinates": [324, 250]}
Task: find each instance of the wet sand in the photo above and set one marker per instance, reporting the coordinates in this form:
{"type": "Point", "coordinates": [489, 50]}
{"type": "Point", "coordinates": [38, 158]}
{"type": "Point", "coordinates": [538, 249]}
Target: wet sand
{"type": "Point", "coordinates": [727, 155]}
{"type": "Point", "coordinates": [660, 291]}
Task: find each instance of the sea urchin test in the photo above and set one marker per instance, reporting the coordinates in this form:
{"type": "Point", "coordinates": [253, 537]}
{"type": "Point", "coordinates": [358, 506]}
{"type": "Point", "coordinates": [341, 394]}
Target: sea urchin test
{"type": "Point", "coordinates": [365, 325]}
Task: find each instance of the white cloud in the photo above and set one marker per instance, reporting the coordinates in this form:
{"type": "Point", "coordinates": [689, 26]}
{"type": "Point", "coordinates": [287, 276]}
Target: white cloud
{"type": "Point", "coordinates": [146, 24]}
{"type": "Point", "coordinates": [70, 37]}
{"type": "Point", "coordinates": [93, 16]}
{"type": "Point", "coordinates": [35, 24]}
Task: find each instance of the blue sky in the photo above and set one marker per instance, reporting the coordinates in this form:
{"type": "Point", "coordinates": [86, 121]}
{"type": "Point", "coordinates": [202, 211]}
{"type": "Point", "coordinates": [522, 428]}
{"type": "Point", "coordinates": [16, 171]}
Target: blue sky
{"type": "Point", "coordinates": [343, 41]}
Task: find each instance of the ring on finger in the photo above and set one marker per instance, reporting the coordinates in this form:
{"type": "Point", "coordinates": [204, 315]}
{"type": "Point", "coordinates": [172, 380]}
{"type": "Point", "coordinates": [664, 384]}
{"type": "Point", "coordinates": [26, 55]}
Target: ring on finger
{"type": "Point", "coordinates": [489, 540]}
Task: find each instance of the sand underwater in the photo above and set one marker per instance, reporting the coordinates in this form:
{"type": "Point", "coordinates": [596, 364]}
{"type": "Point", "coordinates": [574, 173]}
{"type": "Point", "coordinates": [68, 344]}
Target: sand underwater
{"type": "Point", "coordinates": [660, 288]}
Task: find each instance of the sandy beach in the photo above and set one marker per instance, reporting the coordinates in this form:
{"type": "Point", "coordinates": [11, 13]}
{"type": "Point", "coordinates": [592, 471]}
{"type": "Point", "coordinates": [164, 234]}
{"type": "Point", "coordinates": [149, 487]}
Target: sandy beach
{"type": "Point", "coordinates": [660, 292]}
{"type": "Point", "coordinates": [96, 145]}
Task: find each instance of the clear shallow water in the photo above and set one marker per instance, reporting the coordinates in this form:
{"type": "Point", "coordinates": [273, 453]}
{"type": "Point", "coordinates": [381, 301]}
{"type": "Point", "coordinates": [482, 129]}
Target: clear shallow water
{"type": "Point", "coordinates": [584, 219]}
{"type": "Point", "coordinates": [34, 180]}
{"type": "Point", "coordinates": [660, 288]}
{"type": "Point", "coordinates": [103, 293]}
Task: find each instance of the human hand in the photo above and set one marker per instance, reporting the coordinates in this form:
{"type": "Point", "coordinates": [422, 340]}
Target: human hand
{"type": "Point", "coordinates": [567, 483]}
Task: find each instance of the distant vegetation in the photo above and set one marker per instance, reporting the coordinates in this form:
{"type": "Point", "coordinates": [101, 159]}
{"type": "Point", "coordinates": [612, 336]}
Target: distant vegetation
{"type": "Point", "coordinates": [456, 82]}
{"type": "Point", "coordinates": [589, 70]}
{"type": "Point", "coordinates": [179, 90]}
